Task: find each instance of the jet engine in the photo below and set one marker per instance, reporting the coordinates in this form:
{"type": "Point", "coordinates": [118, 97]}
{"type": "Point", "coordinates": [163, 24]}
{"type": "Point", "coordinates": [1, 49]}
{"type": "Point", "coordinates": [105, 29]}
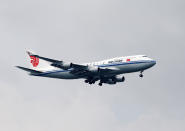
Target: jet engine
{"type": "Point", "coordinates": [63, 65]}
{"type": "Point", "coordinates": [110, 81]}
{"type": "Point", "coordinates": [94, 69]}
{"type": "Point", "coordinates": [119, 79]}
{"type": "Point", "coordinates": [115, 80]}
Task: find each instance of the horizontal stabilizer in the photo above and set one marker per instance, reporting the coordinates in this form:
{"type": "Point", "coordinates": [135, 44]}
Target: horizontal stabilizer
{"type": "Point", "coordinates": [33, 72]}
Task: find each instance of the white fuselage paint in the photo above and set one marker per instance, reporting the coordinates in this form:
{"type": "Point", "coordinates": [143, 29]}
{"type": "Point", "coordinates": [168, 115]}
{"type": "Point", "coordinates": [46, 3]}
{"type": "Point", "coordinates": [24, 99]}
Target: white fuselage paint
{"type": "Point", "coordinates": [120, 65]}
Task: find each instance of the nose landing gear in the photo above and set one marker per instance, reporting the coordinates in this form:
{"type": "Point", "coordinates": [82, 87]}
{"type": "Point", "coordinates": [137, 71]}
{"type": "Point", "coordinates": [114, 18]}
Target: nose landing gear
{"type": "Point", "coordinates": [141, 74]}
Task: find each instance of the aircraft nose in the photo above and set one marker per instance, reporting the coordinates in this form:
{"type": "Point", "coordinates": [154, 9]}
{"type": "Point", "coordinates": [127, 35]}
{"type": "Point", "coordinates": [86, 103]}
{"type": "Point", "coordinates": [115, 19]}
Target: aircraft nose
{"type": "Point", "coordinates": [153, 63]}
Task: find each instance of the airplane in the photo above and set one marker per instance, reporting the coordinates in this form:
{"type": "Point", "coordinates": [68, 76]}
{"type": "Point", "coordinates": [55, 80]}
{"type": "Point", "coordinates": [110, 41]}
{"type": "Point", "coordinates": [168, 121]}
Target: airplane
{"type": "Point", "coordinates": [107, 71]}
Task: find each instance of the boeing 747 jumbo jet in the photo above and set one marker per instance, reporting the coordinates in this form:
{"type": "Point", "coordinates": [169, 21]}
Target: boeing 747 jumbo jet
{"type": "Point", "coordinates": [106, 71]}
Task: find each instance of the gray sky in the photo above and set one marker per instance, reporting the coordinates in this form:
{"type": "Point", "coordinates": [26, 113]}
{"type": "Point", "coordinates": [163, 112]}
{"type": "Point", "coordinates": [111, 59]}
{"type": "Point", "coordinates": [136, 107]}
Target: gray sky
{"type": "Point", "coordinates": [85, 31]}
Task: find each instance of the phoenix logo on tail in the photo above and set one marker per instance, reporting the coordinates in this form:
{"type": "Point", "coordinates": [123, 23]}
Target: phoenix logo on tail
{"type": "Point", "coordinates": [34, 60]}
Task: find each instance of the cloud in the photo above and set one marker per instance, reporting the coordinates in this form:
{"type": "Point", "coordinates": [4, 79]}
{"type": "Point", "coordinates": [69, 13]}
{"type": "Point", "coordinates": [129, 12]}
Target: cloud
{"type": "Point", "coordinates": [155, 120]}
{"type": "Point", "coordinates": [84, 113]}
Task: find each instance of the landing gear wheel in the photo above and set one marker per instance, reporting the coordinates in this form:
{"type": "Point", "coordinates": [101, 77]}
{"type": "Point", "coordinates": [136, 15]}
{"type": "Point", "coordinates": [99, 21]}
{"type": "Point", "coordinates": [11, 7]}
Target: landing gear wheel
{"type": "Point", "coordinates": [141, 75]}
{"type": "Point", "coordinates": [86, 81]}
{"type": "Point", "coordinates": [100, 84]}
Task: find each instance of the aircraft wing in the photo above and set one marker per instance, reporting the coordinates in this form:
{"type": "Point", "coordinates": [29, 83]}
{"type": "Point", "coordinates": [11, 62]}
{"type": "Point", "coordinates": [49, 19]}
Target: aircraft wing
{"type": "Point", "coordinates": [82, 70]}
{"type": "Point", "coordinates": [32, 72]}
{"type": "Point", "coordinates": [76, 69]}
{"type": "Point", "coordinates": [79, 66]}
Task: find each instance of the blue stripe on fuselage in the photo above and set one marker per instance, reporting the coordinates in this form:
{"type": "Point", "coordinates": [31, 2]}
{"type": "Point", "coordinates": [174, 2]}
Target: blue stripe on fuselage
{"type": "Point", "coordinates": [107, 65]}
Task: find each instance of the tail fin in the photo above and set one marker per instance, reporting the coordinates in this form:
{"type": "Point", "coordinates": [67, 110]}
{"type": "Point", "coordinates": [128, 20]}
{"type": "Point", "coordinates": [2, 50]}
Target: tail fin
{"type": "Point", "coordinates": [34, 60]}
{"type": "Point", "coordinates": [38, 64]}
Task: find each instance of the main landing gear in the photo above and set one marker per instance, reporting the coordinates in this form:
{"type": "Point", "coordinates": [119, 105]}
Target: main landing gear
{"type": "Point", "coordinates": [100, 84]}
{"type": "Point", "coordinates": [141, 74]}
{"type": "Point", "coordinates": [86, 81]}
{"type": "Point", "coordinates": [90, 81]}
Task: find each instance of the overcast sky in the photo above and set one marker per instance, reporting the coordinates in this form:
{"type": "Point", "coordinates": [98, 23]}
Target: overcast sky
{"type": "Point", "coordinates": [85, 31]}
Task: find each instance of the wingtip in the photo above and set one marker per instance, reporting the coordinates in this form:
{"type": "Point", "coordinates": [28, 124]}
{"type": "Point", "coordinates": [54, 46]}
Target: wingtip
{"type": "Point", "coordinates": [18, 67]}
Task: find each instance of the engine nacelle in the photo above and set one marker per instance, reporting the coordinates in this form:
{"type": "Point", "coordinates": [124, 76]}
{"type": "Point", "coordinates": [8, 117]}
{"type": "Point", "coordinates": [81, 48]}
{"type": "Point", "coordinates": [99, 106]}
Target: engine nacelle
{"type": "Point", "coordinates": [119, 79]}
{"type": "Point", "coordinates": [110, 81]}
{"type": "Point", "coordinates": [63, 65]}
{"type": "Point", "coordinates": [93, 69]}
{"type": "Point", "coordinates": [66, 65]}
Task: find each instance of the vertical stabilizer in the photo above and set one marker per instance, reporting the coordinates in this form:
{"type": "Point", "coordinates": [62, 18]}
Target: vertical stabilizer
{"type": "Point", "coordinates": [38, 64]}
